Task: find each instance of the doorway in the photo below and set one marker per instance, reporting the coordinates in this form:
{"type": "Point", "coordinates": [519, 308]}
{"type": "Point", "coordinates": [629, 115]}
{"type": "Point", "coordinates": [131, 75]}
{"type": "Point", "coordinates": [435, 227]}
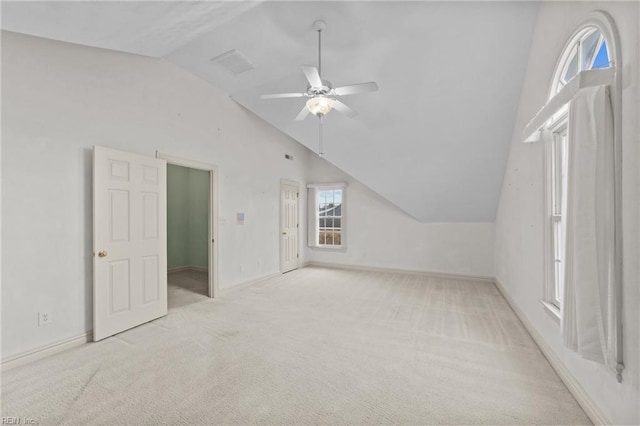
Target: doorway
{"type": "Point", "coordinates": [191, 231]}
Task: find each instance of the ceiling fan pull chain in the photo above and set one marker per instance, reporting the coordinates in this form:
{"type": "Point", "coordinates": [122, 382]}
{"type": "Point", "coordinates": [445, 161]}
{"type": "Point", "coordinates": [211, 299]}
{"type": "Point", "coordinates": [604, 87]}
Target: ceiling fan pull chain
{"type": "Point", "coordinates": [320, 148]}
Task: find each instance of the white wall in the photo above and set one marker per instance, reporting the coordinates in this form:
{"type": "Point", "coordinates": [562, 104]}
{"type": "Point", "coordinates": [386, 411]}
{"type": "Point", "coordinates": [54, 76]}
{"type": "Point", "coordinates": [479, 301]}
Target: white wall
{"type": "Point", "coordinates": [519, 224]}
{"type": "Point", "coordinates": [58, 101]}
{"type": "Point", "coordinates": [379, 234]}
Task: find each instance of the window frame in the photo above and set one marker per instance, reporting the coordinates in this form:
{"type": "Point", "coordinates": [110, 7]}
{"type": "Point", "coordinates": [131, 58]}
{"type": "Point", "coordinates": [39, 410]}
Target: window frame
{"type": "Point", "coordinates": [314, 216]}
{"type": "Point", "coordinates": [557, 129]}
{"type": "Point", "coordinates": [603, 23]}
{"type": "Point", "coordinates": [572, 49]}
{"type": "Point", "coordinates": [333, 218]}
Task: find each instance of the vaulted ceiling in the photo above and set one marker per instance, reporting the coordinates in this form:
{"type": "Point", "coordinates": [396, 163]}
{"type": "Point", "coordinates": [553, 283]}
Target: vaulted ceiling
{"type": "Point", "coordinates": [433, 140]}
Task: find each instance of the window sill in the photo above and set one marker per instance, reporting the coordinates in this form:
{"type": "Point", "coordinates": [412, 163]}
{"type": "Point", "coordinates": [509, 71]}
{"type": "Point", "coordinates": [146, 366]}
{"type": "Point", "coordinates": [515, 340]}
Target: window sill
{"type": "Point", "coordinates": [552, 310]}
{"type": "Point", "coordinates": [342, 249]}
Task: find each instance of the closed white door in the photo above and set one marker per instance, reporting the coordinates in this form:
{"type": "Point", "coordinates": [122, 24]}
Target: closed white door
{"type": "Point", "coordinates": [129, 240]}
{"type": "Point", "coordinates": [289, 195]}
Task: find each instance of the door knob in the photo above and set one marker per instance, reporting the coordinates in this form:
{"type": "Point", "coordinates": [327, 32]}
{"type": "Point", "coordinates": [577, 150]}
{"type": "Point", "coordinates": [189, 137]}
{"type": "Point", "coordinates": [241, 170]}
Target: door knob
{"type": "Point", "coordinates": [284, 233]}
{"type": "Point", "coordinates": [102, 253]}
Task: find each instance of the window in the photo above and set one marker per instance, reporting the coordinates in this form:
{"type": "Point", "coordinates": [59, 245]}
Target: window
{"type": "Point", "coordinates": [557, 212]}
{"type": "Point", "coordinates": [581, 127]}
{"type": "Point", "coordinates": [587, 50]}
{"type": "Point", "coordinates": [327, 215]}
{"type": "Point", "coordinates": [330, 217]}
{"type": "Point", "coordinates": [593, 46]}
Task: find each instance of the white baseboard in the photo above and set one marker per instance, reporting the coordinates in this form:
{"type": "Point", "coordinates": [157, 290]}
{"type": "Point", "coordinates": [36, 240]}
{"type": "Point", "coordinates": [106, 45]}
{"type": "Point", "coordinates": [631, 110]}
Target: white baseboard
{"type": "Point", "coordinates": [244, 284]}
{"type": "Point", "coordinates": [576, 389]}
{"type": "Point", "coordinates": [434, 274]}
{"type": "Point", "coordinates": [188, 268]}
{"type": "Point", "coordinates": [45, 351]}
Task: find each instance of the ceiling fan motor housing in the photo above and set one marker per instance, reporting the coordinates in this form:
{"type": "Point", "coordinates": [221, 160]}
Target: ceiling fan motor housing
{"type": "Point", "coordinates": [323, 90]}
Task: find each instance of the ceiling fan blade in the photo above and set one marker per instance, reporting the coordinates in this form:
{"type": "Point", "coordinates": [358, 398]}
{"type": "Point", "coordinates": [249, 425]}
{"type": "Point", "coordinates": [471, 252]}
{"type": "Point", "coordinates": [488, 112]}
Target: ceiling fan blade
{"type": "Point", "coordinates": [339, 106]}
{"type": "Point", "coordinates": [352, 89]}
{"type": "Point", "coordinates": [312, 74]}
{"type": "Point", "coordinates": [303, 114]}
{"type": "Point", "coordinates": [282, 95]}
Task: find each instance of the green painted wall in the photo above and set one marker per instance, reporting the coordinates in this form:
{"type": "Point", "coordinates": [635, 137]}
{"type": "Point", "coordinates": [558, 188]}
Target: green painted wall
{"type": "Point", "coordinates": [198, 217]}
{"type": "Point", "coordinates": [187, 215]}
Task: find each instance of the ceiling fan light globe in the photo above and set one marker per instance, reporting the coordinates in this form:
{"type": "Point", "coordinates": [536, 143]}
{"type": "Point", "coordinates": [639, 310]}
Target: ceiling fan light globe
{"type": "Point", "coordinates": [319, 105]}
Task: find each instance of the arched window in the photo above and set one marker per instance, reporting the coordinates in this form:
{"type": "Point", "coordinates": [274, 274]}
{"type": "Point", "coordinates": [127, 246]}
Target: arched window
{"type": "Point", "coordinates": [580, 126]}
{"type": "Point", "coordinates": [592, 46]}
{"type": "Point", "coordinates": [587, 49]}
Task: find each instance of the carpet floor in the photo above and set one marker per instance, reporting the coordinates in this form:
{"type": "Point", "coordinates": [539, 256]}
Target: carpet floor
{"type": "Point", "coordinates": [187, 287]}
{"type": "Point", "coordinates": [314, 346]}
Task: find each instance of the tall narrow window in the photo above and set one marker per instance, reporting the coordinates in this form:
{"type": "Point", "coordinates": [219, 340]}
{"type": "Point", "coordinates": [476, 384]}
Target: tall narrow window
{"type": "Point", "coordinates": [588, 49]}
{"type": "Point", "coordinates": [558, 209]}
{"type": "Point", "coordinates": [580, 126]}
{"type": "Point", "coordinates": [329, 216]}
{"type": "Point", "coordinates": [326, 215]}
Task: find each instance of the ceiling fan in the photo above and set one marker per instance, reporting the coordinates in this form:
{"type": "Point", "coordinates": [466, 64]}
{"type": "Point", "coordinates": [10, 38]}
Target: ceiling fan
{"type": "Point", "coordinates": [321, 93]}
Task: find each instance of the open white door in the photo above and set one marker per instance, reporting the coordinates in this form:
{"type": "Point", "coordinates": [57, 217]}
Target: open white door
{"type": "Point", "coordinates": [129, 240]}
{"type": "Point", "coordinates": [289, 193]}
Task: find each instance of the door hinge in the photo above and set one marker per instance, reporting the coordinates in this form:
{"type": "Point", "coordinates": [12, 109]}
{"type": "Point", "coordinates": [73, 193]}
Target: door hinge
{"type": "Point", "coordinates": [298, 256]}
{"type": "Point", "coordinates": [298, 225]}
{"type": "Point", "coordinates": [297, 195]}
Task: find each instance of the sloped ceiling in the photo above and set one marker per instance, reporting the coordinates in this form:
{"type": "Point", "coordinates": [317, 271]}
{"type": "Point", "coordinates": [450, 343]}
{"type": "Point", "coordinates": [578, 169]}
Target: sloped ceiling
{"type": "Point", "coordinates": [434, 140]}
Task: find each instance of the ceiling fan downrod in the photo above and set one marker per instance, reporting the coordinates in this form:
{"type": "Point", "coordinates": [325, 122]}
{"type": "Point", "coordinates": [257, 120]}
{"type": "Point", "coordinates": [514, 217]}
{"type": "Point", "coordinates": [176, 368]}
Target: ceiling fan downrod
{"type": "Point", "coordinates": [319, 26]}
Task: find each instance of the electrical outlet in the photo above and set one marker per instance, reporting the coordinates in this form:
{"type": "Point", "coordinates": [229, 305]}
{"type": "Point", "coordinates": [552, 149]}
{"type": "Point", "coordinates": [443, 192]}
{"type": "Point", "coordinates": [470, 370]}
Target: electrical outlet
{"type": "Point", "coordinates": [44, 318]}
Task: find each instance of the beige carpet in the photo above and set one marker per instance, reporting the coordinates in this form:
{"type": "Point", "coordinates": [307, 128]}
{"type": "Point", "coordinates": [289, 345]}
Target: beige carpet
{"type": "Point", "coordinates": [187, 287]}
{"type": "Point", "coordinates": [315, 346]}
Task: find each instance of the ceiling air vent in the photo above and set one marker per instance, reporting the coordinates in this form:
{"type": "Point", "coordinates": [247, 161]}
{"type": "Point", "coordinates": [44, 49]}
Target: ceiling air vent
{"type": "Point", "coordinates": [233, 61]}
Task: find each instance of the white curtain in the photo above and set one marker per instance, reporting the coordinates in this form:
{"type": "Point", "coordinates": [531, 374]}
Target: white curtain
{"type": "Point", "coordinates": [590, 311]}
{"type": "Point", "coordinates": [312, 220]}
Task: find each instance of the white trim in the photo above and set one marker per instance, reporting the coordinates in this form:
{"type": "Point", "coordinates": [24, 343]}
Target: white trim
{"type": "Point", "coordinates": [555, 127]}
{"type": "Point", "coordinates": [328, 185]}
{"type": "Point", "coordinates": [213, 213]}
{"type": "Point", "coordinates": [45, 351]}
{"type": "Point", "coordinates": [185, 162]}
{"type": "Point", "coordinates": [434, 274]}
{"type": "Point", "coordinates": [574, 386]}
{"type": "Point", "coordinates": [584, 79]}
{"type": "Point", "coordinates": [188, 268]}
{"type": "Point", "coordinates": [552, 310]}
{"type": "Point", "coordinates": [331, 249]}
{"type": "Point", "coordinates": [249, 283]}
{"type": "Point", "coordinates": [603, 22]}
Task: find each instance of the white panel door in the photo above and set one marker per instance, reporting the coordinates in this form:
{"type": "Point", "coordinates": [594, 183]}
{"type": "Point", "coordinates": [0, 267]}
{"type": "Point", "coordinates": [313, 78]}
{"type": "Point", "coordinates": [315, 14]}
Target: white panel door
{"type": "Point", "coordinates": [289, 226]}
{"type": "Point", "coordinates": [129, 240]}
